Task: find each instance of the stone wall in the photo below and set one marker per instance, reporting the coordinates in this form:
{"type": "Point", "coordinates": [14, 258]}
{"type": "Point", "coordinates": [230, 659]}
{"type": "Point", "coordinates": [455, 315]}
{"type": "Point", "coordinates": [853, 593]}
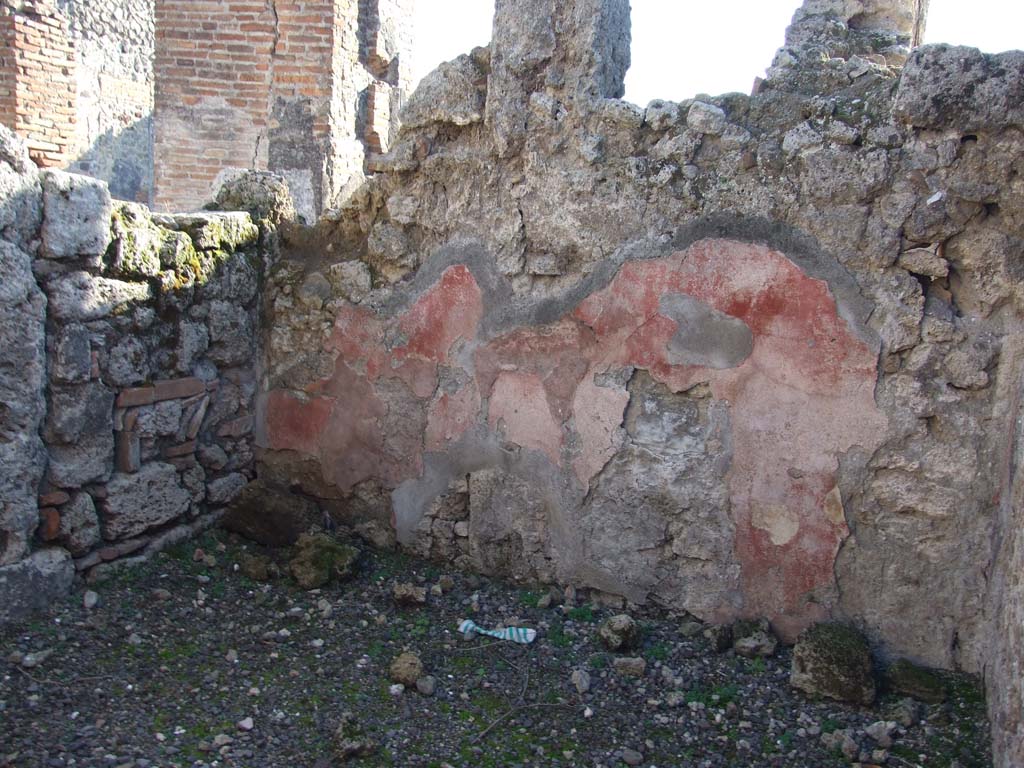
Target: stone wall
{"type": "Point", "coordinates": [128, 377]}
{"type": "Point", "coordinates": [113, 42]}
{"type": "Point", "coordinates": [76, 81]}
{"type": "Point", "coordinates": [37, 88]}
{"type": "Point", "coordinates": [1005, 667]}
{"type": "Point", "coordinates": [744, 356]}
{"type": "Point", "coordinates": [303, 89]}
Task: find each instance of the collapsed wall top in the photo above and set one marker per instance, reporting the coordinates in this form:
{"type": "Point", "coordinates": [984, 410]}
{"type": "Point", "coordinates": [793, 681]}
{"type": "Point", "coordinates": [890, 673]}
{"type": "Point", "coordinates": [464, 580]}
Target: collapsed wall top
{"type": "Point", "coordinates": [831, 33]}
{"type": "Point", "coordinates": [577, 50]}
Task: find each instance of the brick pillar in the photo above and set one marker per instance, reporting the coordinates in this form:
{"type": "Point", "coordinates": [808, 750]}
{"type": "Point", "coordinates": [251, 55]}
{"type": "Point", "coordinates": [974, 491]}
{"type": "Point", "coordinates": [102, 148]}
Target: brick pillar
{"type": "Point", "coordinates": [283, 85]}
{"type": "Point", "coordinates": [302, 84]}
{"type": "Point", "coordinates": [37, 79]}
{"type": "Point", "coordinates": [212, 73]}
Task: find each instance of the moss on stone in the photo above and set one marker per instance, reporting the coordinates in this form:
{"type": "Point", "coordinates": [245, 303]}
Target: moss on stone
{"type": "Point", "coordinates": [229, 231]}
{"type": "Point", "coordinates": [320, 559]}
{"type": "Point", "coordinates": [910, 679]}
{"type": "Point", "coordinates": [834, 660]}
{"type": "Point", "coordinates": [135, 246]}
{"type": "Point", "coordinates": [176, 249]}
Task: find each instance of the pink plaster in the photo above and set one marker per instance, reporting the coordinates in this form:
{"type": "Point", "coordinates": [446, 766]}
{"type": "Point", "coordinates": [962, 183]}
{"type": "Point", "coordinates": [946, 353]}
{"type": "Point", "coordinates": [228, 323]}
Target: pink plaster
{"type": "Point", "coordinates": [449, 311]}
{"type": "Point", "coordinates": [803, 397]}
{"type": "Point", "coordinates": [520, 410]}
{"type": "Point", "coordinates": [295, 422]}
{"type": "Point", "coordinates": [598, 413]}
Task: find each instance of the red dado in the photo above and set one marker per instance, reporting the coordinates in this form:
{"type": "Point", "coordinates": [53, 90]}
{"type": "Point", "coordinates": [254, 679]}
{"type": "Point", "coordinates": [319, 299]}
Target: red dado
{"type": "Point", "coordinates": [798, 398]}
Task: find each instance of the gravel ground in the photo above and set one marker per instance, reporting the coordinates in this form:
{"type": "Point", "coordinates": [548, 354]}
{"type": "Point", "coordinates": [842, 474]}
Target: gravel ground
{"type": "Point", "coordinates": [190, 663]}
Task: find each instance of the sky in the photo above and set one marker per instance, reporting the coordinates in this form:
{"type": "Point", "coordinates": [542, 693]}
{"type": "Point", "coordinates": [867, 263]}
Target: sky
{"type": "Point", "coordinates": [682, 48]}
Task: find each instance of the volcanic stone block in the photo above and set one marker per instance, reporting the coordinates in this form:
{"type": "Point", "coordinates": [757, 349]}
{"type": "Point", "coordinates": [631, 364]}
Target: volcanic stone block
{"type": "Point", "coordinates": [270, 516]}
{"type": "Point", "coordinates": [79, 525]}
{"type": "Point", "coordinates": [81, 296]}
{"type": "Point", "coordinates": [150, 497]}
{"type": "Point", "coordinates": [76, 215]}
{"type": "Point", "coordinates": [34, 583]}
{"type": "Point", "coordinates": [834, 660]}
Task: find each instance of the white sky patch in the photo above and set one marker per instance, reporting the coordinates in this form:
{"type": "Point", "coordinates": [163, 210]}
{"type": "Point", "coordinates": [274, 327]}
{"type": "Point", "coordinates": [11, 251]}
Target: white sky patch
{"type": "Point", "coordinates": [683, 48]}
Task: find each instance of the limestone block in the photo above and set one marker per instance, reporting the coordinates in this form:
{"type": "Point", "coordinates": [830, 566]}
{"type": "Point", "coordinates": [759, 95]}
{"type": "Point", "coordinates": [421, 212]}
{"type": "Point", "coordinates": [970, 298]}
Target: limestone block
{"type": "Point", "coordinates": [225, 489]}
{"type": "Point", "coordinates": [210, 231]}
{"type": "Point", "coordinates": [193, 341]}
{"type": "Point", "coordinates": [76, 215]}
{"type": "Point", "coordinates": [706, 118]}
{"type": "Point", "coordinates": [963, 89]}
{"type": "Point", "coordinates": [34, 583]}
{"type": "Point", "coordinates": [22, 386]}
{"type": "Point", "coordinates": [834, 661]}
{"type": "Point", "coordinates": [231, 334]}
{"type": "Point", "coordinates": [262, 194]}
{"type": "Point", "coordinates": [150, 497]}
{"type": "Point", "coordinates": [72, 360]}
{"type": "Point", "coordinates": [127, 363]}
{"type": "Point", "coordinates": [89, 460]}
{"type": "Point", "coordinates": [79, 525]}
{"type": "Point", "coordinates": [452, 93]}
{"type": "Point", "coordinates": [81, 296]}
{"type": "Point", "coordinates": [21, 199]}
{"type": "Point", "coordinates": [350, 280]}
{"type": "Point", "coordinates": [137, 242]}
{"type": "Point", "coordinates": [18, 284]}
{"type": "Point", "coordinates": [661, 115]}
{"type": "Point", "coordinates": [78, 411]}
{"type": "Point", "coordinates": [160, 419]}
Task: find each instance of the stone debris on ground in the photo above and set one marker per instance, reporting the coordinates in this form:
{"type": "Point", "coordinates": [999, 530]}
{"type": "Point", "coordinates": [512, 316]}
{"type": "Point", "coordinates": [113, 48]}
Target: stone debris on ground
{"type": "Point", "coordinates": [409, 594]}
{"type": "Point", "coordinates": [266, 674]}
{"type": "Point", "coordinates": [620, 633]}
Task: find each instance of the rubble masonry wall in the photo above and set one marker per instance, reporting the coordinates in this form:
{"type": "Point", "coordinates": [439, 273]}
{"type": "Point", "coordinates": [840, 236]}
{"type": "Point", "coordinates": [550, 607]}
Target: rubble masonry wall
{"type": "Point", "coordinates": [128, 376]}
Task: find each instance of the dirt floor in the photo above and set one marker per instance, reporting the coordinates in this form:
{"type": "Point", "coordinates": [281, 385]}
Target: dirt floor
{"type": "Point", "coordinates": [188, 662]}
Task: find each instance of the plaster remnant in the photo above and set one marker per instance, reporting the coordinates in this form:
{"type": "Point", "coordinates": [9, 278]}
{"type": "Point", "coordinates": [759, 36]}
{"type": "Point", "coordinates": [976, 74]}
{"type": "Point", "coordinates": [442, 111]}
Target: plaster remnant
{"type": "Point", "coordinates": [706, 337]}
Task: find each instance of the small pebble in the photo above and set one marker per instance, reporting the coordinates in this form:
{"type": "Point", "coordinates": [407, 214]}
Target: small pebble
{"type": "Point", "coordinates": [631, 756]}
{"type": "Point", "coordinates": [581, 679]}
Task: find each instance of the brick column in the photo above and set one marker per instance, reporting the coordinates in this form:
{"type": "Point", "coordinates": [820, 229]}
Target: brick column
{"type": "Point", "coordinates": [283, 85]}
{"type": "Point", "coordinates": [37, 81]}
{"type": "Point", "coordinates": [302, 84]}
{"type": "Point", "coordinates": [212, 82]}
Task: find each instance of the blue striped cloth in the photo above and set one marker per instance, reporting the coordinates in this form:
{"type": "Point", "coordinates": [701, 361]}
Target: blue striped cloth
{"type": "Point", "coordinates": [515, 634]}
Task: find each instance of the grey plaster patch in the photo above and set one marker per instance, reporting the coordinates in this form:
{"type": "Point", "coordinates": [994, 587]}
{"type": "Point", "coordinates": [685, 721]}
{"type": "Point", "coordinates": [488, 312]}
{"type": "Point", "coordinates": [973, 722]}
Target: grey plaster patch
{"type": "Point", "coordinates": [706, 337]}
{"type": "Point", "coordinates": [477, 450]}
{"type": "Point", "coordinates": [503, 311]}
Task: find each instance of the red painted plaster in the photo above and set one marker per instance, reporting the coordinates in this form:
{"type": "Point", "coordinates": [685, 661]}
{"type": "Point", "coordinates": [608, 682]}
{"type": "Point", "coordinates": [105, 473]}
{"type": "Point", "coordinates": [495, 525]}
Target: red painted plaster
{"type": "Point", "coordinates": [804, 396]}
